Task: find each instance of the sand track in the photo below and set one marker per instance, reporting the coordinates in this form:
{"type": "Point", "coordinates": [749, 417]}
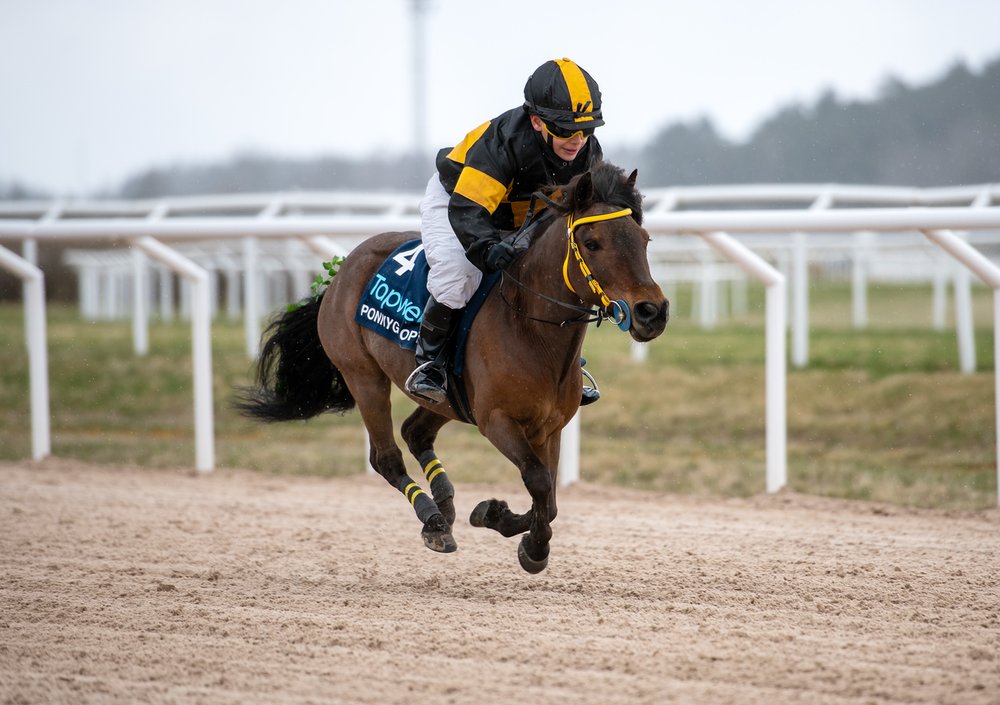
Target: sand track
{"type": "Point", "coordinates": [124, 585]}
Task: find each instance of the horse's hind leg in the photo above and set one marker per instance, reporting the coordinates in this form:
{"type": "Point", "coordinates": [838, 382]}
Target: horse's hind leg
{"type": "Point", "coordinates": [419, 432]}
{"type": "Point", "coordinates": [372, 396]}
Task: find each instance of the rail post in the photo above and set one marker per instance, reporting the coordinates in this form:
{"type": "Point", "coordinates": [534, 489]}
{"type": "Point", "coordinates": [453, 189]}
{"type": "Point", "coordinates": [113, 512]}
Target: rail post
{"type": "Point", "coordinates": [978, 263]}
{"type": "Point", "coordinates": [38, 356]}
{"type": "Point", "coordinates": [201, 346]}
{"type": "Point", "coordinates": [776, 365]}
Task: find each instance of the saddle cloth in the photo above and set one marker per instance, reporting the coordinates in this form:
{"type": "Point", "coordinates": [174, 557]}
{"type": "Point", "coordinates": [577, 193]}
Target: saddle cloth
{"type": "Point", "coordinates": [392, 303]}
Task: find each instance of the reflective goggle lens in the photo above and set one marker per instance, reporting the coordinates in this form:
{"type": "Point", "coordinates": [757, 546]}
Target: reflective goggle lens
{"type": "Point", "coordinates": [564, 134]}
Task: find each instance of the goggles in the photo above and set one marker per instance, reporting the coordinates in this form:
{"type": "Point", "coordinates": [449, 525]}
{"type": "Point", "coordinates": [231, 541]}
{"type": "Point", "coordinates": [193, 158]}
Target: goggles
{"type": "Point", "coordinates": [561, 133]}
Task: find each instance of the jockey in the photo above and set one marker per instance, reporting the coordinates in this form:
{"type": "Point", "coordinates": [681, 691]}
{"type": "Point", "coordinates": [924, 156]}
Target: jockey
{"type": "Point", "coordinates": [481, 193]}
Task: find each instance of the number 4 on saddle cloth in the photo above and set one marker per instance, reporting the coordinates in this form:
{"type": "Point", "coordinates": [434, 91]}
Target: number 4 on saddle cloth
{"type": "Point", "coordinates": [393, 303]}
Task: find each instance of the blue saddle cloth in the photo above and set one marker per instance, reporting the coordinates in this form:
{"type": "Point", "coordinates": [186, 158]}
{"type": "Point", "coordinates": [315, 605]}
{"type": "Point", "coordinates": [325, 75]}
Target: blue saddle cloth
{"type": "Point", "coordinates": [393, 303]}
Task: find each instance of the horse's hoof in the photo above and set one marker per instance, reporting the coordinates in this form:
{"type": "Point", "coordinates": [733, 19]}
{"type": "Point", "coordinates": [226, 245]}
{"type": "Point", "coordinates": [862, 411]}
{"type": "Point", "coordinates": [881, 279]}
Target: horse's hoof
{"type": "Point", "coordinates": [437, 535]}
{"type": "Point", "coordinates": [529, 563]}
{"type": "Point", "coordinates": [447, 509]}
{"type": "Point", "coordinates": [478, 516]}
{"type": "Point", "coordinates": [487, 513]}
{"type": "Point", "coordinates": [442, 542]}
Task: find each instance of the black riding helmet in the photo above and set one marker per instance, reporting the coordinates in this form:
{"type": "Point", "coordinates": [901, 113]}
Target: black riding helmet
{"type": "Point", "coordinates": [564, 95]}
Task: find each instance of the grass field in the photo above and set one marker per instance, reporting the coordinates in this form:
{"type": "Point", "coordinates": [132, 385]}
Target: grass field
{"type": "Point", "coordinates": [880, 414]}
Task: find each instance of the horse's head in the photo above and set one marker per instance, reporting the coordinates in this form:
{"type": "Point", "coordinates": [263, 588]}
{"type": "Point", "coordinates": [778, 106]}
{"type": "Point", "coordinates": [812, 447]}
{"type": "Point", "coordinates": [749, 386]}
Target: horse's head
{"type": "Point", "coordinates": [606, 263]}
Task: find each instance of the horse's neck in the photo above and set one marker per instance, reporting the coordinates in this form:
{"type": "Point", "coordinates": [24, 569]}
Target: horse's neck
{"type": "Point", "coordinates": [542, 268]}
{"type": "Point", "coordinates": [540, 271]}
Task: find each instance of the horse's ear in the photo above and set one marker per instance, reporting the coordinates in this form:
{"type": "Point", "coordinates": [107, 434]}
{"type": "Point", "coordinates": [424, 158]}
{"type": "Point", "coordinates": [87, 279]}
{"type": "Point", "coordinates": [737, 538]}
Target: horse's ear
{"type": "Point", "coordinates": [632, 177]}
{"type": "Point", "coordinates": [583, 194]}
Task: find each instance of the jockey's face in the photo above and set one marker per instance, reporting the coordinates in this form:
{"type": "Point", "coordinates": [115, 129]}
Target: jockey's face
{"type": "Point", "coordinates": [565, 149]}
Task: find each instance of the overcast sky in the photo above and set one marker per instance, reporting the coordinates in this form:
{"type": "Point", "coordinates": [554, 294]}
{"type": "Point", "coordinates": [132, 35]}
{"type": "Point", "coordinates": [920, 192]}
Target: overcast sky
{"type": "Point", "coordinates": [95, 90]}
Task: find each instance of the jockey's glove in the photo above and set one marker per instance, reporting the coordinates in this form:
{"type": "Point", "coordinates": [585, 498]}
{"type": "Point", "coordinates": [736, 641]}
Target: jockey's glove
{"type": "Point", "coordinates": [500, 255]}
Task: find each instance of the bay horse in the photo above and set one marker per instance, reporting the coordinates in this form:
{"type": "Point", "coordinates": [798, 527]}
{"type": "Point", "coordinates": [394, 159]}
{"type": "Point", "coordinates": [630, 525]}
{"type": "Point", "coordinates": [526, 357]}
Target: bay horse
{"type": "Point", "coordinates": [522, 366]}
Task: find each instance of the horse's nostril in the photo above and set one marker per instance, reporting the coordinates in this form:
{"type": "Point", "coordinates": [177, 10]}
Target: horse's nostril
{"type": "Point", "coordinates": [647, 312]}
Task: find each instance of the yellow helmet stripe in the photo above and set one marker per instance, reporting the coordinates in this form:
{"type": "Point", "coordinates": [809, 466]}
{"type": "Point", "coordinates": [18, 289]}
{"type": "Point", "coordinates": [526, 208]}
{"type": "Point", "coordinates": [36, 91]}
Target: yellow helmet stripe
{"type": "Point", "coordinates": [579, 91]}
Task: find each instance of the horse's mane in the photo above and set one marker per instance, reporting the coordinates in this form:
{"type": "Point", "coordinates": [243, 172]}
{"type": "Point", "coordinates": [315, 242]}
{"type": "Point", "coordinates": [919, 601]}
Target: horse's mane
{"type": "Point", "coordinates": [609, 185]}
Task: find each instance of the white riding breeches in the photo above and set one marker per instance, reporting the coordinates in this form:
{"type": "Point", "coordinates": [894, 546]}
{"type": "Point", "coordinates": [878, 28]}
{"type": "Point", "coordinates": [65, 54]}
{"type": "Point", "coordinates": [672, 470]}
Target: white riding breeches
{"type": "Point", "coordinates": [452, 279]}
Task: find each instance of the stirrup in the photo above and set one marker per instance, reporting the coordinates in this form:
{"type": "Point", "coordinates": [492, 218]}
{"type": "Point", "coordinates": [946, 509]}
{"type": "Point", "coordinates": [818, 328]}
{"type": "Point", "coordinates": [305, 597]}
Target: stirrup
{"type": "Point", "coordinates": [590, 394]}
{"type": "Point", "coordinates": [428, 390]}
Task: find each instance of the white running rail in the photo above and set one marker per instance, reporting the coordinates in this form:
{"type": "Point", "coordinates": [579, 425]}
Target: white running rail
{"type": "Point", "coordinates": [334, 222]}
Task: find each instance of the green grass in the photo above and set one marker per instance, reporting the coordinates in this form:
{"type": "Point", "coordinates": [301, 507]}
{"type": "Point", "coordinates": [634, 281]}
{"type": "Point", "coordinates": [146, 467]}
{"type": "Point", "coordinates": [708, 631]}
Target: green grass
{"type": "Point", "coordinates": [881, 414]}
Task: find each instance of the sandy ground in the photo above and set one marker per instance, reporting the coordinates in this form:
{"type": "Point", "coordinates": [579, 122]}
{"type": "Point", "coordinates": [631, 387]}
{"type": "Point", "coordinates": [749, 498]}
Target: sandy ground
{"type": "Point", "coordinates": [123, 585]}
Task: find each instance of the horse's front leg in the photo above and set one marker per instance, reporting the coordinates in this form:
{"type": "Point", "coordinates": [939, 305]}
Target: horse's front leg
{"type": "Point", "coordinates": [496, 514]}
{"type": "Point", "coordinates": [539, 479]}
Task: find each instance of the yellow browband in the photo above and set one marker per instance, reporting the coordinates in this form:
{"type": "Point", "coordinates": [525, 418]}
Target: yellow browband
{"type": "Point", "coordinates": [571, 225]}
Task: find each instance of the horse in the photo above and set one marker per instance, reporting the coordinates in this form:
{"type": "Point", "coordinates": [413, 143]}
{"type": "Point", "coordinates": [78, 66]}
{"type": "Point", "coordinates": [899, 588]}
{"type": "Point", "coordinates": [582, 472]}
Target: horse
{"type": "Point", "coordinates": [522, 373]}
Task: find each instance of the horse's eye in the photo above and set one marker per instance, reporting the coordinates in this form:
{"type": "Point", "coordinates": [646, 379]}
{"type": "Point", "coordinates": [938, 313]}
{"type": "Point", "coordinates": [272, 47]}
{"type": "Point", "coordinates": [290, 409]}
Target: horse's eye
{"type": "Point", "coordinates": [592, 245]}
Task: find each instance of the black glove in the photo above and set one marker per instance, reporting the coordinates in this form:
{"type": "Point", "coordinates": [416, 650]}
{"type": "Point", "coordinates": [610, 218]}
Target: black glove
{"type": "Point", "coordinates": [500, 255]}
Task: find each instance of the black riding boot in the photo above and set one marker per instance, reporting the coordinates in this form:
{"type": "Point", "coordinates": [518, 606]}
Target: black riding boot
{"type": "Point", "coordinates": [430, 378]}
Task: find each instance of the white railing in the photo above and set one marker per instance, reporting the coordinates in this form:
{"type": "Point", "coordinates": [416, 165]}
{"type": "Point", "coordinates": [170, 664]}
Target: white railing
{"type": "Point", "coordinates": [330, 223]}
{"type": "Point", "coordinates": [38, 356]}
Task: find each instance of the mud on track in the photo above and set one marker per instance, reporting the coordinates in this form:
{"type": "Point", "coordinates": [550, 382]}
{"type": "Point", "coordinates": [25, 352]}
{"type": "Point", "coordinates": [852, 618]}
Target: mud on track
{"type": "Point", "coordinates": [123, 585]}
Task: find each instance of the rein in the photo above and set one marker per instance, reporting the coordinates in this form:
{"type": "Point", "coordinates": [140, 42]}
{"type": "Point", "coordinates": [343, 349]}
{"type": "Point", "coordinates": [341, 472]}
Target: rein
{"type": "Point", "coordinates": [596, 314]}
{"type": "Point", "coordinates": [617, 311]}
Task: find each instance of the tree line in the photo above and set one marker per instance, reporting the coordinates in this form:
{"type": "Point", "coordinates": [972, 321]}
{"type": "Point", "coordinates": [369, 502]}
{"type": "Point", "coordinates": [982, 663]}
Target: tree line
{"type": "Point", "coordinates": [946, 132]}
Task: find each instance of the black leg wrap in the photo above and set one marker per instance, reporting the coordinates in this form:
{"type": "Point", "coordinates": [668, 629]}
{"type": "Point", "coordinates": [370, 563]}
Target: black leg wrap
{"type": "Point", "coordinates": [422, 504]}
{"type": "Point", "coordinates": [441, 486]}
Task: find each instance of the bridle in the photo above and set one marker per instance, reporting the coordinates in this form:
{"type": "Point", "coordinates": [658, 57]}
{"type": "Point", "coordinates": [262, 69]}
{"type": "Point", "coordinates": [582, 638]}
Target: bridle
{"type": "Point", "coordinates": [617, 311]}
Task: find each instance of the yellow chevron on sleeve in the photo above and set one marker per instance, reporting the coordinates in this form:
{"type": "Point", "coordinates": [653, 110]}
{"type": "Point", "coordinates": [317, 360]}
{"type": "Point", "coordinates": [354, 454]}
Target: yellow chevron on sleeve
{"type": "Point", "coordinates": [462, 148]}
{"type": "Point", "coordinates": [479, 187]}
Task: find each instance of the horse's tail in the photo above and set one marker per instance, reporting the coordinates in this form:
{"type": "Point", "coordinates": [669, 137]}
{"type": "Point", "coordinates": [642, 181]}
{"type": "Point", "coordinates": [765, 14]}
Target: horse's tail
{"type": "Point", "coordinates": [295, 378]}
